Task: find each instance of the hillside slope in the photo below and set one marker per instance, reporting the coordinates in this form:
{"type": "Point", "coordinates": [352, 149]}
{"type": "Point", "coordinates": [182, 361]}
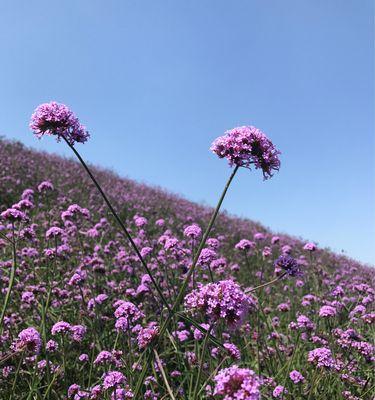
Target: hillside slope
{"type": "Point", "coordinates": [80, 285]}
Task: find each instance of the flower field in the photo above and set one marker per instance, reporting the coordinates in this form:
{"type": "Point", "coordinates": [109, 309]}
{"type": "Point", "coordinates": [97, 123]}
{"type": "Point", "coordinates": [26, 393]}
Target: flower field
{"type": "Point", "coordinates": [115, 290]}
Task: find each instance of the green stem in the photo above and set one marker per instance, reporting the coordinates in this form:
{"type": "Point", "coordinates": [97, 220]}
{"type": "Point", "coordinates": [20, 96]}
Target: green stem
{"type": "Point", "coordinates": [117, 218]}
{"type": "Point", "coordinates": [11, 282]}
{"type": "Point", "coordinates": [189, 274]}
{"type": "Point", "coordinates": [195, 395]}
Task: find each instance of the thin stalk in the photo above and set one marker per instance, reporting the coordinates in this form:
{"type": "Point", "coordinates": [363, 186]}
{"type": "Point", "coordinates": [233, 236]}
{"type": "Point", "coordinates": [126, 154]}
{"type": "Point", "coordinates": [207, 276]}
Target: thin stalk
{"type": "Point", "coordinates": [16, 375]}
{"type": "Point", "coordinates": [160, 365]}
{"type": "Point", "coordinates": [181, 292]}
{"type": "Point", "coordinates": [118, 220]}
{"type": "Point", "coordinates": [195, 395]}
{"type": "Point", "coordinates": [266, 284]}
{"type": "Point", "coordinates": [11, 282]}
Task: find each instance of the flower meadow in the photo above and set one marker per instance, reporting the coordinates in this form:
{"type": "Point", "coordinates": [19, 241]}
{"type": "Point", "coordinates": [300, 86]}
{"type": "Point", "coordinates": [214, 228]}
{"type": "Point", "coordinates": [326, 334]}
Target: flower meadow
{"type": "Point", "coordinates": [115, 290]}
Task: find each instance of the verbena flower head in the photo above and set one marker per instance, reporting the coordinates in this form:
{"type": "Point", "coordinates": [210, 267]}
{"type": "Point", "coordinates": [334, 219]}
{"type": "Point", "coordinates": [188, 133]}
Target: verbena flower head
{"type": "Point", "coordinates": [236, 383]}
{"type": "Point", "coordinates": [57, 119]}
{"type": "Point", "coordinates": [296, 376]}
{"type": "Point", "coordinates": [222, 300]}
{"type": "Point", "coordinates": [288, 264]}
{"type": "Point", "coordinates": [147, 335]}
{"type": "Point", "coordinates": [321, 357]}
{"type": "Point", "coordinates": [245, 146]}
{"type": "Point", "coordinates": [28, 340]}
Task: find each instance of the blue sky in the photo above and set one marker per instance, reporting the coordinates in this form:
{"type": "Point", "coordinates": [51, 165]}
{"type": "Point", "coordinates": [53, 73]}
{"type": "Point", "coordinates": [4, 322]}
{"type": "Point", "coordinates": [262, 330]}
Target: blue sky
{"type": "Point", "coordinates": [156, 81]}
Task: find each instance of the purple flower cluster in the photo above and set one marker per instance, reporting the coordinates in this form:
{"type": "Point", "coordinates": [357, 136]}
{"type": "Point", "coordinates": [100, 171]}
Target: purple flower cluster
{"type": "Point", "coordinates": [245, 146]}
{"type": "Point", "coordinates": [57, 119]}
{"type": "Point", "coordinates": [223, 300]}
{"type": "Point", "coordinates": [321, 357]}
{"type": "Point", "coordinates": [288, 264]}
{"type": "Point", "coordinates": [236, 383]}
{"type": "Point", "coordinates": [28, 340]}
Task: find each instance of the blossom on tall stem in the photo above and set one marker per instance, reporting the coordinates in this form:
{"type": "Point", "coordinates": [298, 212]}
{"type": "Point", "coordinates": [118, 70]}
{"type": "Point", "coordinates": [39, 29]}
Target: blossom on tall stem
{"type": "Point", "coordinates": [288, 264]}
{"type": "Point", "coordinates": [223, 300]}
{"type": "Point", "coordinates": [58, 120]}
{"type": "Point", "coordinates": [245, 146]}
{"type": "Point", "coordinates": [237, 383]}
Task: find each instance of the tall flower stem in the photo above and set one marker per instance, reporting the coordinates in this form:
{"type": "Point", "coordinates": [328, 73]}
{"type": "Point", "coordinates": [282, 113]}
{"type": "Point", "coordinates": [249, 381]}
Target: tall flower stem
{"type": "Point", "coordinates": [181, 292]}
{"type": "Point", "coordinates": [118, 220]}
{"type": "Point", "coordinates": [11, 281]}
{"type": "Point", "coordinates": [201, 364]}
{"type": "Point", "coordinates": [203, 242]}
{"type": "Point", "coordinates": [266, 284]}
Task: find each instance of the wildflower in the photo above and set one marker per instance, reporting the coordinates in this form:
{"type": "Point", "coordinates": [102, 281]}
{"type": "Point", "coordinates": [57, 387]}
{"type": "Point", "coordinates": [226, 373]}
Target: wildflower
{"type": "Point", "coordinates": [232, 350]}
{"type": "Point", "coordinates": [206, 256]}
{"type": "Point", "coordinates": [54, 232]}
{"type": "Point", "coordinates": [327, 311]}
{"type": "Point", "coordinates": [222, 300]}
{"type": "Point", "coordinates": [45, 186]}
{"type": "Point", "coordinates": [193, 231]}
{"type": "Point", "coordinates": [78, 332]}
{"type": "Point", "coordinates": [296, 376]}
{"type": "Point", "coordinates": [245, 146]}
{"type": "Point", "coordinates": [129, 311]}
{"type": "Point", "coordinates": [13, 215]}
{"type": "Point", "coordinates": [304, 323]}
{"type": "Point", "coordinates": [244, 244]}
{"type": "Point", "coordinates": [140, 221]}
{"type": "Point", "coordinates": [147, 335]}
{"type": "Point", "coordinates": [60, 327]}
{"type": "Point", "coordinates": [112, 379]}
{"type": "Point", "coordinates": [321, 357]}
{"type": "Point", "coordinates": [309, 247]}
{"type": "Point", "coordinates": [57, 119]}
{"type": "Point", "coordinates": [279, 391]}
{"type": "Point", "coordinates": [237, 383]}
{"type": "Point", "coordinates": [288, 264]}
{"type": "Point", "coordinates": [29, 340]}
{"type": "Point", "coordinates": [104, 357]}
{"type": "Point", "coordinates": [52, 346]}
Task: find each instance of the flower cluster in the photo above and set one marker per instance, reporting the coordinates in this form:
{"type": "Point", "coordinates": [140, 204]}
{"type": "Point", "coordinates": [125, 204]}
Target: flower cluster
{"type": "Point", "coordinates": [236, 383]}
{"type": "Point", "coordinates": [223, 300]}
{"type": "Point", "coordinates": [57, 119]}
{"type": "Point", "coordinates": [288, 264]}
{"type": "Point", "coordinates": [245, 146]}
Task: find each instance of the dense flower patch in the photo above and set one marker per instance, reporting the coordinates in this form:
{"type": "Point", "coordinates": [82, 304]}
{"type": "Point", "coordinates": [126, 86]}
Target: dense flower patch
{"type": "Point", "coordinates": [263, 315]}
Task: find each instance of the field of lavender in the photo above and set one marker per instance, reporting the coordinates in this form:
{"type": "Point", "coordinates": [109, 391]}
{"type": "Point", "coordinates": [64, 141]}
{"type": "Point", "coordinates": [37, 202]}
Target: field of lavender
{"type": "Point", "coordinates": [114, 290]}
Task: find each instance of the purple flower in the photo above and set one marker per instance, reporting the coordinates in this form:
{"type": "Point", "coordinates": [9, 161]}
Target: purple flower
{"type": "Point", "coordinates": [245, 146]}
{"type": "Point", "coordinates": [309, 247]}
{"type": "Point", "coordinates": [279, 391]}
{"type": "Point", "coordinates": [128, 310]}
{"type": "Point", "coordinates": [60, 327]}
{"type": "Point", "coordinates": [12, 214]}
{"type": "Point", "coordinates": [321, 357]}
{"type": "Point", "coordinates": [288, 264]}
{"type": "Point", "coordinates": [29, 340]}
{"type": "Point", "coordinates": [45, 186]}
{"type": "Point", "coordinates": [244, 244]}
{"type": "Point", "coordinates": [296, 377]}
{"type": "Point", "coordinates": [236, 383]}
{"type": "Point", "coordinates": [327, 311]}
{"type": "Point", "coordinates": [193, 231]}
{"type": "Point", "coordinates": [233, 350]}
{"type": "Point", "coordinates": [112, 379]}
{"type": "Point", "coordinates": [57, 119]}
{"type": "Point", "coordinates": [104, 357]}
{"type": "Point", "coordinates": [78, 332]}
{"type": "Point", "coordinates": [147, 335]}
{"type": "Point", "coordinates": [54, 232]}
{"type": "Point", "coordinates": [222, 300]}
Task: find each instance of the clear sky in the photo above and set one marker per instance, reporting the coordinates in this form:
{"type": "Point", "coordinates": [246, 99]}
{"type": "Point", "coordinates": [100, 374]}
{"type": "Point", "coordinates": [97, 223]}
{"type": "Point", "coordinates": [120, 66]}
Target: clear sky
{"type": "Point", "coordinates": [156, 81]}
